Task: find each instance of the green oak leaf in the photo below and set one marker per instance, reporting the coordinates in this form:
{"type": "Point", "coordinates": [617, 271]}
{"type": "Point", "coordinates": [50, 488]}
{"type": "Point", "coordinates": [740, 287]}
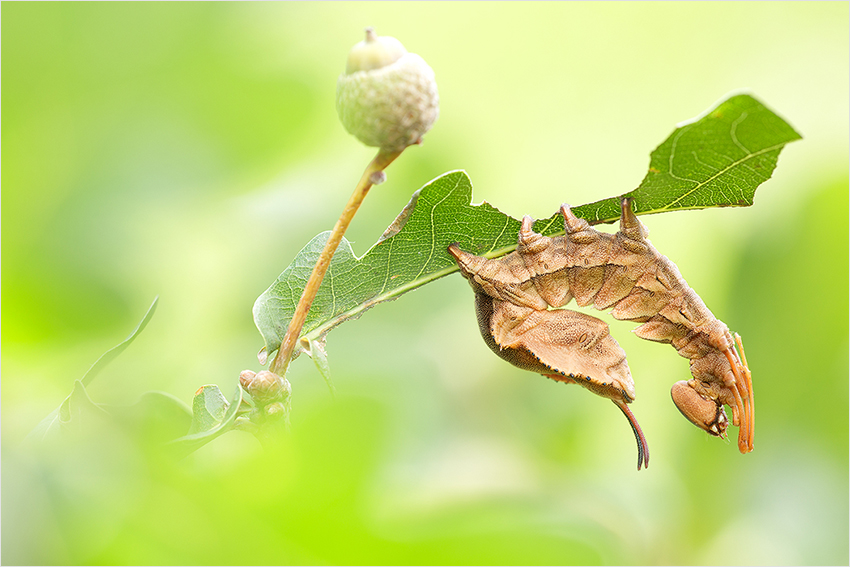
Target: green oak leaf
{"type": "Point", "coordinates": [716, 160]}
{"type": "Point", "coordinates": [212, 415]}
{"type": "Point", "coordinates": [411, 253]}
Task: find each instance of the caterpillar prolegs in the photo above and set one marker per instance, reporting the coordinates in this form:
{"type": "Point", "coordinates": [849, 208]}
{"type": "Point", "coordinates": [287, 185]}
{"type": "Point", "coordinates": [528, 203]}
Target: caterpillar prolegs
{"type": "Point", "coordinates": [515, 294]}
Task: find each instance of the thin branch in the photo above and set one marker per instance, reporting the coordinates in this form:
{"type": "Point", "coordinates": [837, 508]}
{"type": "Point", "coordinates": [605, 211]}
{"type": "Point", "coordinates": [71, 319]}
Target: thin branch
{"type": "Point", "coordinates": [372, 173]}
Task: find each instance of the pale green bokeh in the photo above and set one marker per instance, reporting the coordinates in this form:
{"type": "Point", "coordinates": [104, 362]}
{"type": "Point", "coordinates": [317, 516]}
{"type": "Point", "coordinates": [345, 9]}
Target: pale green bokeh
{"type": "Point", "coordinates": [189, 150]}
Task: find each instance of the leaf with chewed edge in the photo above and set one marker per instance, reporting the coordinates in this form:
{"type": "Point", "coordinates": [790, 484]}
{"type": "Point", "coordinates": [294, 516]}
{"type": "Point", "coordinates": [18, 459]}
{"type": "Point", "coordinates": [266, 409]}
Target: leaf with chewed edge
{"type": "Point", "coordinates": [716, 160]}
{"type": "Point", "coordinates": [411, 253]}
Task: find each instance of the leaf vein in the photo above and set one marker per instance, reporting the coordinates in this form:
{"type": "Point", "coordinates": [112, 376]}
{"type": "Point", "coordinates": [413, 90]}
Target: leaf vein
{"type": "Point", "coordinates": [720, 172]}
{"type": "Point", "coordinates": [733, 132]}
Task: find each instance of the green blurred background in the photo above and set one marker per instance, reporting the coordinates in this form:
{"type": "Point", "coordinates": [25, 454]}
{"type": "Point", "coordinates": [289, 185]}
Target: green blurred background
{"type": "Point", "coordinates": [189, 150]}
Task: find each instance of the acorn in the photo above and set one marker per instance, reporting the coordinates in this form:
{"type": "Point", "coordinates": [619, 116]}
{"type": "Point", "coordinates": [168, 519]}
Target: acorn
{"type": "Point", "coordinates": [387, 97]}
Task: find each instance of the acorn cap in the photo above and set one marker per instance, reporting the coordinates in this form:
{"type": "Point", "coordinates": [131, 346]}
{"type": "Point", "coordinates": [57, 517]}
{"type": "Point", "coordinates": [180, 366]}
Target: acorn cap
{"type": "Point", "coordinates": [387, 97]}
{"type": "Point", "coordinates": [373, 53]}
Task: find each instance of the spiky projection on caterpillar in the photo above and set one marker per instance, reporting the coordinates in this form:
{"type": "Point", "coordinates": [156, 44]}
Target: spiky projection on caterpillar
{"type": "Point", "coordinates": [623, 272]}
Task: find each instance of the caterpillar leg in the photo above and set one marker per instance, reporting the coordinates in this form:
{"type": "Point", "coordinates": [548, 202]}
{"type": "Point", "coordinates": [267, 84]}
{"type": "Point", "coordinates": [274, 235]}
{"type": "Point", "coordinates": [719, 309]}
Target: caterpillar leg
{"type": "Point", "coordinates": [748, 378]}
{"type": "Point", "coordinates": [744, 391]}
{"type": "Point", "coordinates": [722, 376]}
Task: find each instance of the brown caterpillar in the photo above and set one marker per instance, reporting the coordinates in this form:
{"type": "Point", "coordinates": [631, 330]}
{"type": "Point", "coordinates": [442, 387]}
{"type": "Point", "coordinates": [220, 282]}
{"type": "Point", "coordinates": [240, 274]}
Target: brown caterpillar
{"type": "Point", "coordinates": [623, 272]}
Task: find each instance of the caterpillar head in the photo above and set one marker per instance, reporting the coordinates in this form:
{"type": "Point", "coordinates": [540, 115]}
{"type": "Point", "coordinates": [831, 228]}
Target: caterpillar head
{"type": "Point", "coordinates": [701, 410]}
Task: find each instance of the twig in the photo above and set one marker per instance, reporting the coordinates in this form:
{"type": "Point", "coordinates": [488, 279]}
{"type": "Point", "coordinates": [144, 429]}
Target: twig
{"type": "Point", "coordinates": [281, 362]}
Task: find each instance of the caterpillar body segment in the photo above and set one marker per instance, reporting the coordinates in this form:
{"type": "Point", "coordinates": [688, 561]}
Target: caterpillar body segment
{"type": "Point", "coordinates": [565, 346]}
{"type": "Point", "coordinates": [622, 272]}
{"type": "Point", "coordinates": [505, 279]}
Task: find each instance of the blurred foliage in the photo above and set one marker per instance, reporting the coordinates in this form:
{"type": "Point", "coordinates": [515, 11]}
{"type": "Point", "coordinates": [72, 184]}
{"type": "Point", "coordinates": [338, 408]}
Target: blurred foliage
{"type": "Point", "coordinates": [190, 150]}
{"type": "Point", "coordinates": [65, 413]}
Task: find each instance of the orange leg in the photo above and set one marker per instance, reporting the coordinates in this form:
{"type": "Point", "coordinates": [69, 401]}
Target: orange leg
{"type": "Point", "coordinates": [742, 398]}
{"type": "Point", "coordinates": [748, 378]}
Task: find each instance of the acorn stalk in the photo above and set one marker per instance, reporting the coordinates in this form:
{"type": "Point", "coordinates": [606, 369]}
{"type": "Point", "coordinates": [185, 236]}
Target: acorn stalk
{"type": "Point", "coordinates": [388, 99]}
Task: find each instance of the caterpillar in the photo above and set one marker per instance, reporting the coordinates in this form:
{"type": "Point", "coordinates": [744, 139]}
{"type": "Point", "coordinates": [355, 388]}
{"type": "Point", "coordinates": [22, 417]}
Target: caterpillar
{"type": "Point", "coordinates": [519, 300]}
